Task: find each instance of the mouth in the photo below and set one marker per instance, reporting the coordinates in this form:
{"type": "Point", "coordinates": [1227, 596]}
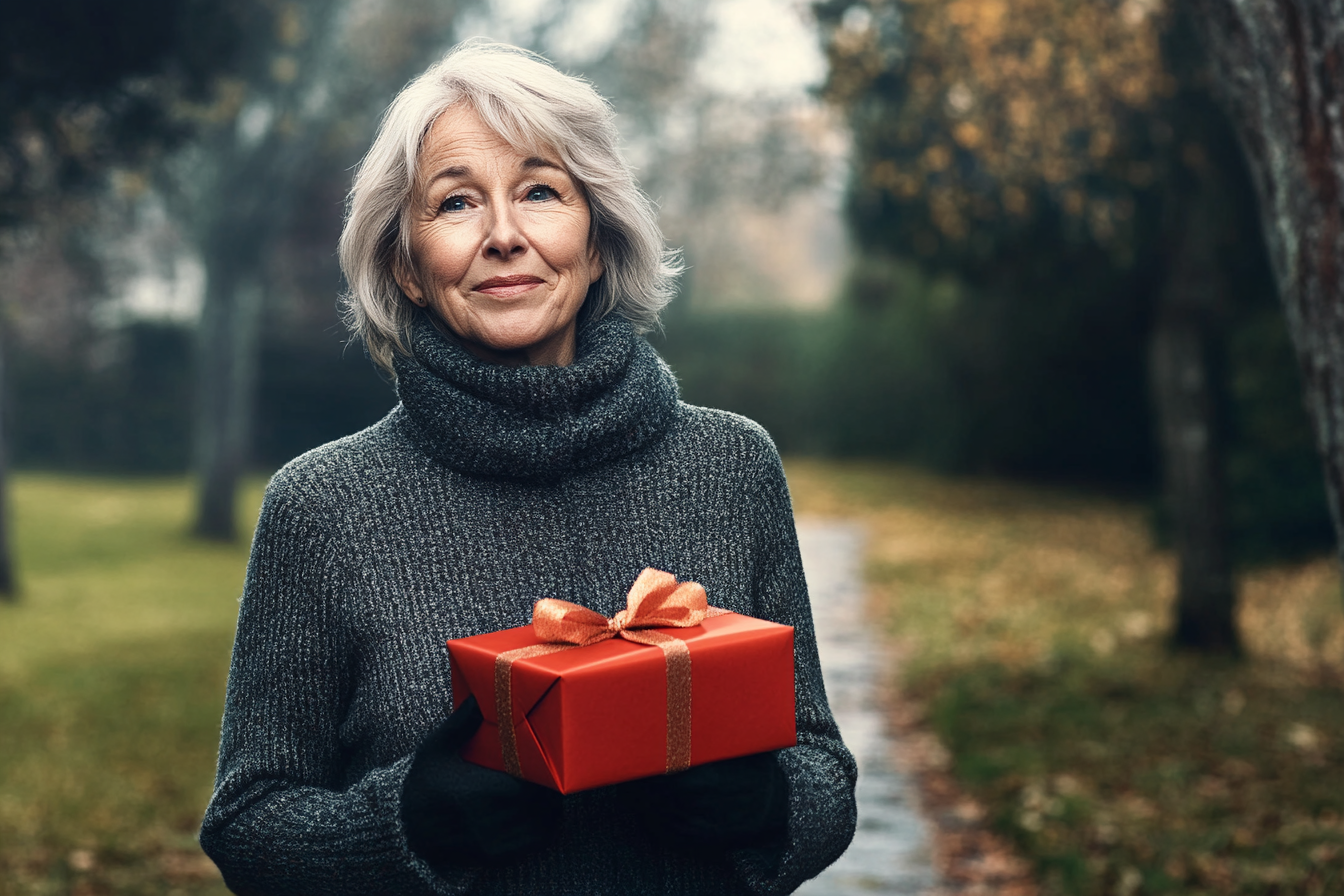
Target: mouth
{"type": "Point", "coordinates": [512, 285]}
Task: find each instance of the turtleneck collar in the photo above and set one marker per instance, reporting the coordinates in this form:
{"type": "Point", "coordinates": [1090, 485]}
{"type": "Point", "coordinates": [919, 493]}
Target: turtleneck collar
{"type": "Point", "coordinates": [535, 423]}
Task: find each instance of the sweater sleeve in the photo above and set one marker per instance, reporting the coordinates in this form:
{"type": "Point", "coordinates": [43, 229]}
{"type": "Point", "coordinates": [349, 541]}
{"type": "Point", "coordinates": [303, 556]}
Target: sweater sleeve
{"type": "Point", "coordinates": [820, 770]}
{"type": "Point", "coordinates": [283, 819]}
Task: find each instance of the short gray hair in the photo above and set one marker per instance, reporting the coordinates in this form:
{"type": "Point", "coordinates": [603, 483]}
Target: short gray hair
{"type": "Point", "coordinates": [523, 98]}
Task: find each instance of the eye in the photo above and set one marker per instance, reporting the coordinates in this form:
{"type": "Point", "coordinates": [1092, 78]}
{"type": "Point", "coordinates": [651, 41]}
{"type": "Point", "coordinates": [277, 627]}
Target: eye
{"type": "Point", "coordinates": [540, 193]}
{"type": "Point", "coordinates": [453, 204]}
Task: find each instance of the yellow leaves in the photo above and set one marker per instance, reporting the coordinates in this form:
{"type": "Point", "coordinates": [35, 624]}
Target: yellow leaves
{"type": "Point", "coordinates": [1274, 603]}
{"type": "Point", "coordinates": [1136, 91]}
{"type": "Point", "coordinates": [968, 135]}
{"type": "Point", "coordinates": [1135, 13]}
{"type": "Point", "coordinates": [1101, 144]}
{"type": "Point", "coordinates": [1022, 112]}
{"type": "Point", "coordinates": [1074, 201]}
{"type": "Point", "coordinates": [856, 58]}
{"type": "Point", "coordinates": [887, 175]}
{"type": "Point", "coordinates": [1304, 738]}
{"type": "Point", "coordinates": [1014, 201]}
{"type": "Point", "coordinates": [1054, 170]}
{"type": "Point", "coordinates": [981, 21]}
{"type": "Point", "coordinates": [945, 211]}
{"type": "Point", "coordinates": [884, 174]}
{"type": "Point", "coordinates": [1038, 92]}
{"type": "Point", "coordinates": [1077, 79]}
{"type": "Point", "coordinates": [1102, 642]}
{"type": "Point", "coordinates": [1131, 879]}
{"type": "Point", "coordinates": [1137, 625]}
{"type": "Point", "coordinates": [937, 158]}
{"type": "Point", "coordinates": [1324, 853]}
{"type": "Point", "coordinates": [1042, 51]}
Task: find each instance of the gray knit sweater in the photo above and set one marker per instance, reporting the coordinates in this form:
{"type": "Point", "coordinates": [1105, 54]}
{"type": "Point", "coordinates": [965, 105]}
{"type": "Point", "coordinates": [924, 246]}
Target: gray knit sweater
{"type": "Point", "coordinates": [487, 488]}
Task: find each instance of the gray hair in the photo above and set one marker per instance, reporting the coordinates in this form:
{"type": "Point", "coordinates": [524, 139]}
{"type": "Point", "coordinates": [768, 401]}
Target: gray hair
{"type": "Point", "coordinates": [523, 98]}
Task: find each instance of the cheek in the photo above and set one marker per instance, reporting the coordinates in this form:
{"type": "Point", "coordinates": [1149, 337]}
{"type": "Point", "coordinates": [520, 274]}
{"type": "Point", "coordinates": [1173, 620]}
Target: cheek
{"type": "Point", "coordinates": [578, 250]}
{"type": "Point", "coordinates": [447, 255]}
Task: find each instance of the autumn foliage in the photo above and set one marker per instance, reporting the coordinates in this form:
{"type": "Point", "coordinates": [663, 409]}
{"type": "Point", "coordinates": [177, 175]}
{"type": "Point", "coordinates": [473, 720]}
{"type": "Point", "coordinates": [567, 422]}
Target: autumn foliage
{"type": "Point", "coordinates": [980, 109]}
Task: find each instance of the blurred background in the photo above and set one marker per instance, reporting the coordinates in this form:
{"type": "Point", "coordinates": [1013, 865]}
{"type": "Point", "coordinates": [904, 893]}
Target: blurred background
{"type": "Point", "coordinates": [963, 240]}
{"type": "Point", "coordinates": [904, 240]}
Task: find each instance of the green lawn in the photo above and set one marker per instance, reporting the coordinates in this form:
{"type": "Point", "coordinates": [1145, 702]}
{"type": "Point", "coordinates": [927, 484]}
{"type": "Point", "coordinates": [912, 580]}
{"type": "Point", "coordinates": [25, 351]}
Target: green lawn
{"type": "Point", "coordinates": [112, 671]}
{"type": "Point", "coordinates": [1032, 625]}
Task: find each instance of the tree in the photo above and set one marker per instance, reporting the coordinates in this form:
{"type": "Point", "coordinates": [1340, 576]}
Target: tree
{"type": "Point", "coordinates": [1001, 145]}
{"type": "Point", "coordinates": [301, 107]}
{"type": "Point", "coordinates": [87, 86]}
{"type": "Point", "coordinates": [1280, 71]}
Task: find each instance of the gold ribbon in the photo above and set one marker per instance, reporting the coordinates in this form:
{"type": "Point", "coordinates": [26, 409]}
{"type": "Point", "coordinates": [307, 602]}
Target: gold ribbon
{"type": "Point", "coordinates": [656, 600]}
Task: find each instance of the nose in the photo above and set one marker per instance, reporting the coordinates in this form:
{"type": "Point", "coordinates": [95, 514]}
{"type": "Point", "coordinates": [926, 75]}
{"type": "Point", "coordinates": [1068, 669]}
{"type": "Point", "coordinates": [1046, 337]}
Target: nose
{"type": "Point", "coordinates": [504, 237]}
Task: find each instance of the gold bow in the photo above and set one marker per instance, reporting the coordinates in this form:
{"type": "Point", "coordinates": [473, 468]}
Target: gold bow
{"type": "Point", "coordinates": [656, 600]}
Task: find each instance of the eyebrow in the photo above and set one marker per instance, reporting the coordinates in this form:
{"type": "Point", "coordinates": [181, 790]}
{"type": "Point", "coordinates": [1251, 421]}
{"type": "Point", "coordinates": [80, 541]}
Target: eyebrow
{"type": "Point", "coordinates": [539, 162]}
{"type": "Point", "coordinates": [529, 164]}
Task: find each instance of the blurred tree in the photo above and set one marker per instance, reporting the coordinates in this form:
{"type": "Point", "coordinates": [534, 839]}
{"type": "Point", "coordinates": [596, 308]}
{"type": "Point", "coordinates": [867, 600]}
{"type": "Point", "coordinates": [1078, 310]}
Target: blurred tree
{"type": "Point", "coordinates": [316, 76]}
{"type": "Point", "coordinates": [1003, 143]}
{"type": "Point", "coordinates": [88, 85]}
{"type": "Point", "coordinates": [1281, 73]}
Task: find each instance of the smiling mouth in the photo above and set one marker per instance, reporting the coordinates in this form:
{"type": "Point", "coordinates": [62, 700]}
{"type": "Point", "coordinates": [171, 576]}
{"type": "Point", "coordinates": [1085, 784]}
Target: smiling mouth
{"type": "Point", "coordinates": [503, 287]}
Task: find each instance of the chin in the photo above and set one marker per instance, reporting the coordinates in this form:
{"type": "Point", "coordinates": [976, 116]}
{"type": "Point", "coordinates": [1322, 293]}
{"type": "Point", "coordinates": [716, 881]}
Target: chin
{"type": "Point", "coordinates": [512, 342]}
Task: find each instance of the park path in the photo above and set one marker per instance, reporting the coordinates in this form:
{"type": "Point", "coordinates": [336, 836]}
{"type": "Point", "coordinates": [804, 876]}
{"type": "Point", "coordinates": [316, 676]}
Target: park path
{"type": "Point", "coordinates": [891, 850]}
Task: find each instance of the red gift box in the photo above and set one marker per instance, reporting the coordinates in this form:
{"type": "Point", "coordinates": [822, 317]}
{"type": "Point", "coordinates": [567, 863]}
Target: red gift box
{"type": "Point", "coordinates": [606, 709]}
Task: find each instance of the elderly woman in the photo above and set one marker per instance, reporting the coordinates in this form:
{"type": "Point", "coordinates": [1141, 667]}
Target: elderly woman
{"type": "Point", "coordinates": [501, 263]}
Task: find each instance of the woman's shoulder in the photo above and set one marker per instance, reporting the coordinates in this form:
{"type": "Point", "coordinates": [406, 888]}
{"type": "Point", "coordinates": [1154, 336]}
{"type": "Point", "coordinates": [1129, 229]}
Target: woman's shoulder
{"type": "Point", "coordinates": [349, 462]}
{"type": "Point", "coordinates": [723, 435]}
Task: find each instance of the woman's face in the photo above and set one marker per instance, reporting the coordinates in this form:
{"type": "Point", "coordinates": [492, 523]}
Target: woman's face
{"type": "Point", "coordinates": [499, 244]}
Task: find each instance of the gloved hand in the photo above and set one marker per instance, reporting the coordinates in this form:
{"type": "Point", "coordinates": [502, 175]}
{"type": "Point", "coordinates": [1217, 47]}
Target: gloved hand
{"type": "Point", "coordinates": [455, 812]}
{"type": "Point", "coordinates": [735, 802]}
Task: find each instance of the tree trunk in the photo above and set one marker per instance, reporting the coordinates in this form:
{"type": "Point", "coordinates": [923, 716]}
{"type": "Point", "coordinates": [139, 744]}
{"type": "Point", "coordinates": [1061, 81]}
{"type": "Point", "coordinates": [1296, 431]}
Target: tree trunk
{"type": "Point", "coordinates": [252, 175]}
{"type": "Point", "coordinates": [8, 581]}
{"type": "Point", "coordinates": [1280, 71]}
{"type": "Point", "coordinates": [1184, 337]}
{"type": "Point", "coordinates": [227, 348]}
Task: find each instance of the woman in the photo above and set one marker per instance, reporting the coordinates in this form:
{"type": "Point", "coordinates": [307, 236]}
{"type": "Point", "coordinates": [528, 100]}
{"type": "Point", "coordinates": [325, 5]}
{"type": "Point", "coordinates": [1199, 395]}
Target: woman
{"type": "Point", "coordinates": [501, 262]}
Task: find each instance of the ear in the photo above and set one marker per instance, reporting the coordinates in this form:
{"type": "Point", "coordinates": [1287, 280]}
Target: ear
{"type": "Point", "coordinates": [407, 280]}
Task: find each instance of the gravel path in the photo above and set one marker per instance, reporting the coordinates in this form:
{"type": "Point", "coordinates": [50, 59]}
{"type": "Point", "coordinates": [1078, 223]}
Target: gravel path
{"type": "Point", "coordinates": [891, 851]}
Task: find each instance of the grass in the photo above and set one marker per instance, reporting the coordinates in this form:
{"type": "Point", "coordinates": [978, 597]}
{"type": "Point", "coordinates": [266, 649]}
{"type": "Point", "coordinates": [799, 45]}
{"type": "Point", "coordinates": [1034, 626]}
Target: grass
{"type": "Point", "coordinates": [1031, 628]}
{"type": "Point", "coordinates": [112, 670]}
{"type": "Point", "coordinates": [1030, 624]}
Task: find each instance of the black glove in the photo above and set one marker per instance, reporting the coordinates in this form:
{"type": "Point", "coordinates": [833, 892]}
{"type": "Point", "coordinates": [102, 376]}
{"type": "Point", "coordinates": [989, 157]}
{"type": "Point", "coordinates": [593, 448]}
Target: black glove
{"type": "Point", "coordinates": [456, 812]}
{"type": "Point", "coordinates": [735, 802]}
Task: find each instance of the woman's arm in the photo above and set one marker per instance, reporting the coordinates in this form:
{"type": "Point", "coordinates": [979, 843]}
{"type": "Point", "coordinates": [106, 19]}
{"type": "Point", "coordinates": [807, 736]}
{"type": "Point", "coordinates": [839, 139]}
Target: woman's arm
{"type": "Point", "coordinates": [283, 819]}
{"type": "Point", "coordinates": [821, 772]}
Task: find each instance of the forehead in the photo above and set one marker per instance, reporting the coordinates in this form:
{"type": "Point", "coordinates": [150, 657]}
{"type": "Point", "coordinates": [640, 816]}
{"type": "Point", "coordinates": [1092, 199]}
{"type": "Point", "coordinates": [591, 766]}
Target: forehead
{"type": "Point", "coordinates": [460, 137]}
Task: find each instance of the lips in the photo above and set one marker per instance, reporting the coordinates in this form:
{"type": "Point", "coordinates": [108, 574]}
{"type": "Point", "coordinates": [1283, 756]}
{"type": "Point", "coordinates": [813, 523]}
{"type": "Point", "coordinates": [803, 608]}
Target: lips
{"type": "Point", "coordinates": [512, 285]}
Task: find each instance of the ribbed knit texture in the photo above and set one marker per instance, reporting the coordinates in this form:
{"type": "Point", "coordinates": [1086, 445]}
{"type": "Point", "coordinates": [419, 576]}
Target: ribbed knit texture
{"type": "Point", "coordinates": [486, 489]}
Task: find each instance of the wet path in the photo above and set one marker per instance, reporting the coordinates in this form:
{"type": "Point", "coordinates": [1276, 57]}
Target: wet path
{"type": "Point", "coordinates": [890, 852]}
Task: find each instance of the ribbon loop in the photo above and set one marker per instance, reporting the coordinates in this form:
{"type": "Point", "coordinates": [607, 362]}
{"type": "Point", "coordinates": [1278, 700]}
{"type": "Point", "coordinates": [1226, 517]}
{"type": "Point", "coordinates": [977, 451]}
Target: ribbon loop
{"type": "Point", "coordinates": [656, 600]}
